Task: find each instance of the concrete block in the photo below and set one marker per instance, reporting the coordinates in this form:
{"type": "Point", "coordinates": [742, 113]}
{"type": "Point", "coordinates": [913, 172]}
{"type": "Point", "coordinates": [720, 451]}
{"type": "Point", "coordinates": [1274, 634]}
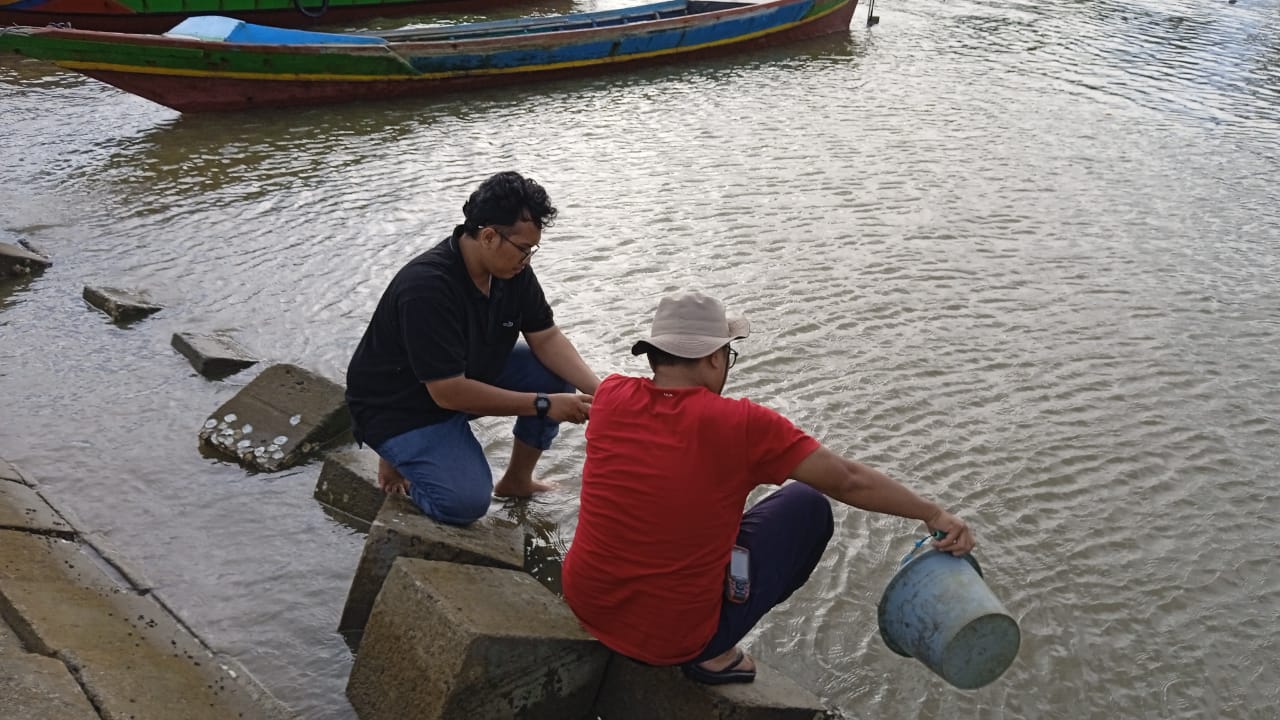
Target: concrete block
{"type": "Point", "coordinates": [122, 305]}
{"type": "Point", "coordinates": [278, 420]}
{"type": "Point", "coordinates": [34, 687]}
{"type": "Point", "coordinates": [462, 641]}
{"type": "Point", "coordinates": [17, 261]}
{"type": "Point", "coordinates": [117, 561]}
{"type": "Point", "coordinates": [10, 472]}
{"type": "Point", "coordinates": [9, 642]}
{"type": "Point", "coordinates": [401, 530]}
{"type": "Point", "coordinates": [632, 691]}
{"type": "Point", "coordinates": [133, 658]}
{"type": "Point", "coordinates": [22, 508]}
{"type": "Point", "coordinates": [213, 356]}
{"type": "Point", "coordinates": [349, 482]}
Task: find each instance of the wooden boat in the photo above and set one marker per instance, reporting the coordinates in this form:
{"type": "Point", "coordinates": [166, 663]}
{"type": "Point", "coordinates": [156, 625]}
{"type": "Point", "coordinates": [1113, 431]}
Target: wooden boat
{"type": "Point", "coordinates": [214, 63]}
{"type": "Point", "coordinates": [157, 16]}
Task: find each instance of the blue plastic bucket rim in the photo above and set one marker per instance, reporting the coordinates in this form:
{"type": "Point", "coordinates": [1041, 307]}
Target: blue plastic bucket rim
{"type": "Point", "coordinates": [880, 607]}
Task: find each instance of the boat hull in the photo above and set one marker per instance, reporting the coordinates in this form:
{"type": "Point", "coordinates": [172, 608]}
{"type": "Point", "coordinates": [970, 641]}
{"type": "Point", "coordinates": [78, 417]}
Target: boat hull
{"type": "Point", "coordinates": [190, 76]}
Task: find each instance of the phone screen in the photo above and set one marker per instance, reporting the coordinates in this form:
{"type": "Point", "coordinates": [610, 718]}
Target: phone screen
{"type": "Point", "coordinates": [738, 563]}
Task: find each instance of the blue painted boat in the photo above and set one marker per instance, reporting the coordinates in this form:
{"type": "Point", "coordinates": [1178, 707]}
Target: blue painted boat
{"type": "Point", "coordinates": [218, 63]}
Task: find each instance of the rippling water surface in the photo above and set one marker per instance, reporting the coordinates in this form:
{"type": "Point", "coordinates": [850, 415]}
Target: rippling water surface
{"type": "Point", "coordinates": [1022, 255]}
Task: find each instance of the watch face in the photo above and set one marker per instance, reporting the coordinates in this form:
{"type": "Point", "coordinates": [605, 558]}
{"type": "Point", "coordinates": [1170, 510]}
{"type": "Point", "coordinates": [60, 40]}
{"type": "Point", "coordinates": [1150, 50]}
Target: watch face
{"type": "Point", "coordinates": [542, 403]}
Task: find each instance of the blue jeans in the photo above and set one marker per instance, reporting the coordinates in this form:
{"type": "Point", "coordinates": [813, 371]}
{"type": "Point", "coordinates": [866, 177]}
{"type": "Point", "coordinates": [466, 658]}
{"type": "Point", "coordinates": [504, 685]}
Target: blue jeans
{"type": "Point", "coordinates": [449, 476]}
{"type": "Point", "coordinates": [785, 534]}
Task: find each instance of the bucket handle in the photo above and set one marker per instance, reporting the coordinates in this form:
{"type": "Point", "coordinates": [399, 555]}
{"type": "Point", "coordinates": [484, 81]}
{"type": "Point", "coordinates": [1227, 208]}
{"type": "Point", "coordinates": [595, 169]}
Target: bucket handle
{"type": "Point", "coordinates": [938, 535]}
{"type": "Point", "coordinates": [935, 535]}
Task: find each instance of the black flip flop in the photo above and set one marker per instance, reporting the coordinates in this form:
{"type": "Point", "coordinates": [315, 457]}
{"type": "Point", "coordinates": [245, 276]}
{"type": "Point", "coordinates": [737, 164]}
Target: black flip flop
{"type": "Point", "coordinates": [730, 674]}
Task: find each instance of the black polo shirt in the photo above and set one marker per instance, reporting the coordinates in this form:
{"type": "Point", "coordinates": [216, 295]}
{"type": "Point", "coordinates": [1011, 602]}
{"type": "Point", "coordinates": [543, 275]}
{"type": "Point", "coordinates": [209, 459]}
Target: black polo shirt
{"type": "Point", "coordinates": [433, 323]}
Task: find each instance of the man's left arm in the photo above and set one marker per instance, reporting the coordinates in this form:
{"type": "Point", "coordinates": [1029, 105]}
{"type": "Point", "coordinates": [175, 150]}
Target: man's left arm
{"type": "Point", "coordinates": [559, 355]}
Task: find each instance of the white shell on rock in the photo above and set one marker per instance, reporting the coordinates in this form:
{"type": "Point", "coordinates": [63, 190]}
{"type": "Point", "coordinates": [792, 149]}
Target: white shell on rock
{"type": "Point", "coordinates": [231, 417]}
{"type": "Point", "coordinates": [277, 455]}
{"type": "Point", "coordinates": [259, 452]}
{"type": "Point", "coordinates": [210, 424]}
{"type": "Point", "coordinates": [244, 443]}
{"type": "Point", "coordinates": [295, 419]}
{"type": "Point", "coordinates": [280, 440]}
{"type": "Point", "coordinates": [246, 429]}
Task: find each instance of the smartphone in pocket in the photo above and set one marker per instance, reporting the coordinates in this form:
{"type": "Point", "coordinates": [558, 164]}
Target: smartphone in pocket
{"type": "Point", "coordinates": [737, 586]}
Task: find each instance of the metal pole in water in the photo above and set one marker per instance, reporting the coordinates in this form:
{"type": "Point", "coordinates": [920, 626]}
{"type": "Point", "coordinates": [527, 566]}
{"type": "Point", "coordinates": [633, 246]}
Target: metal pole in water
{"type": "Point", "coordinates": [872, 18]}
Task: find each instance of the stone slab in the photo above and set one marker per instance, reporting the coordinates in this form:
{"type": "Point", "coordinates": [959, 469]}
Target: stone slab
{"type": "Point", "coordinates": [632, 691]}
{"type": "Point", "coordinates": [278, 420]}
{"type": "Point", "coordinates": [121, 564]}
{"type": "Point", "coordinates": [17, 261]}
{"type": "Point", "coordinates": [9, 642]}
{"type": "Point", "coordinates": [34, 687]}
{"type": "Point", "coordinates": [401, 530]}
{"type": "Point", "coordinates": [349, 482]}
{"type": "Point", "coordinates": [22, 508]}
{"type": "Point", "coordinates": [133, 659]}
{"type": "Point", "coordinates": [10, 472]}
{"type": "Point", "coordinates": [122, 305]}
{"type": "Point", "coordinates": [213, 356]}
{"type": "Point", "coordinates": [462, 641]}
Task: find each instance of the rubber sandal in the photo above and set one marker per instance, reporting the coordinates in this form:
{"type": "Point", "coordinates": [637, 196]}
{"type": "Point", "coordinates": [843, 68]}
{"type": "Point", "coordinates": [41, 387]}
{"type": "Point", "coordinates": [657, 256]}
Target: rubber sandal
{"type": "Point", "coordinates": [730, 674]}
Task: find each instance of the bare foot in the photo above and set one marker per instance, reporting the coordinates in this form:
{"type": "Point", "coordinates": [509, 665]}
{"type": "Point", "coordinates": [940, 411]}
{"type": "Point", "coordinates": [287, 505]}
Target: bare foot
{"type": "Point", "coordinates": [509, 487]}
{"type": "Point", "coordinates": [390, 479]}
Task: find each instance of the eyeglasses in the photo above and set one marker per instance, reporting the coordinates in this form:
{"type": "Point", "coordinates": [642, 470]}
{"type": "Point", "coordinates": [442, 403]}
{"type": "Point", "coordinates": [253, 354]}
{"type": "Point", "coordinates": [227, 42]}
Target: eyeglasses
{"type": "Point", "coordinates": [528, 252]}
{"type": "Point", "coordinates": [733, 357]}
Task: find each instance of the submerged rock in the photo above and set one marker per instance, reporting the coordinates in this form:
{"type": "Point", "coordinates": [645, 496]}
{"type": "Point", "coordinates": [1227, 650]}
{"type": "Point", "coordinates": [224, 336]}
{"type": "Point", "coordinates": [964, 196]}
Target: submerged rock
{"type": "Point", "coordinates": [16, 261]}
{"type": "Point", "coordinates": [122, 305]}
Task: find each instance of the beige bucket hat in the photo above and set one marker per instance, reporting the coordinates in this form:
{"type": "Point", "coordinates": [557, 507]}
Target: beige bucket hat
{"type": "Point", "coordinates": [691, 325]}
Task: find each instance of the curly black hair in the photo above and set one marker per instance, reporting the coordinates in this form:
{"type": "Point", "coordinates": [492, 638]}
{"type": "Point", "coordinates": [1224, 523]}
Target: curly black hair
{"type": "Point", "coordinates": [505, 198]}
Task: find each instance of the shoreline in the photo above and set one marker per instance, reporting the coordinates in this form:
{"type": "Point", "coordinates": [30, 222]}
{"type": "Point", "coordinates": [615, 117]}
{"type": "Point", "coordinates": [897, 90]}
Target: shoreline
{"type": "Point", "coordinates": [83, 636]}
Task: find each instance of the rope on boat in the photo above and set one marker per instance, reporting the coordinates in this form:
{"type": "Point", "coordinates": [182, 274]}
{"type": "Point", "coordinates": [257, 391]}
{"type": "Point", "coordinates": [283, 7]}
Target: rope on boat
{"type": "Point", "coordinates": [324, 7]}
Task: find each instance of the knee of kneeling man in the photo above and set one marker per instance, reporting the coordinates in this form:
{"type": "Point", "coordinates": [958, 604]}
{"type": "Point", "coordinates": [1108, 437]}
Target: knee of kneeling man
{"type": "Point", "coordinates": [818, 504]}
{"type": "Point", "coordinates": [473, 510]}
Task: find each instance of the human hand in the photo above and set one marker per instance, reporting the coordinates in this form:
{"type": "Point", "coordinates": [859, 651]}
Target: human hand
{"type": "Point", "coordinates": [390, 480]}
{"type": "Point", "coordinates": [569, 407]}
{"type": "Point", "coordinates": [957, 540]}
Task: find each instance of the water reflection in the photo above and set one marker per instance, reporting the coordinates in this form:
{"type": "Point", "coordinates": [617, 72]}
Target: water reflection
{"type": "Point", "coordinates": [11, 289]}
{"type": "Point", "coordinates": [256, 156]}
{"type": "Point", "coordinates": [19, 72]}
{"type": "Point", "coordinates": [545, 542]}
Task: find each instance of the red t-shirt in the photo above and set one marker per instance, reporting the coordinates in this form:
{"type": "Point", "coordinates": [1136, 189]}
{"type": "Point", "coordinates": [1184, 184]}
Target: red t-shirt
{"type": "Point", "coordinates": [663, 490]}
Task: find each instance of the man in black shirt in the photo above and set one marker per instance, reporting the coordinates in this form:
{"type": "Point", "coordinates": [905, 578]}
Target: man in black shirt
{"type": "Point", "coordinates": [442, 349]}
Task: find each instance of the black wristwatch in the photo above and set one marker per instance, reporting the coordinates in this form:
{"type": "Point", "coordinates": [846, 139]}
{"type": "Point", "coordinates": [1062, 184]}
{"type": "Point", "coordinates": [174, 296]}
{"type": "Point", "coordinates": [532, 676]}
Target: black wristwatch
{"type": "Point", "coordinates": [542, 404]}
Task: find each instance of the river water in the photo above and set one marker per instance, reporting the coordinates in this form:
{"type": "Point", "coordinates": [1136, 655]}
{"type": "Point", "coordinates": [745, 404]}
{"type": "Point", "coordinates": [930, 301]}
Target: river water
{"type": "Point", "coordinates": [1021, 255]}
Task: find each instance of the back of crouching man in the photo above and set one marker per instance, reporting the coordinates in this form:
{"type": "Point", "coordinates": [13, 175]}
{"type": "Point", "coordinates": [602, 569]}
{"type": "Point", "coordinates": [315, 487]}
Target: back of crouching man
{"type": "Point", "coordinates": [670, 463]}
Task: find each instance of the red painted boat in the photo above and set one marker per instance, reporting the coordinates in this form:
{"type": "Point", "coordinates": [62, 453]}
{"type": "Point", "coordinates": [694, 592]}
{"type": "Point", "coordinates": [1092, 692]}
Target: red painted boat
{"type": "Point", "coordinates": [157, 16]}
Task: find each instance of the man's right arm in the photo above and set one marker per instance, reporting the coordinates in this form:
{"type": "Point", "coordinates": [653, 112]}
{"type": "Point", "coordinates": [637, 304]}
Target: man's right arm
{"type": "Point", "coordinates": [853, 483]}
{"type": "Point", "coordinates": [462, 394]}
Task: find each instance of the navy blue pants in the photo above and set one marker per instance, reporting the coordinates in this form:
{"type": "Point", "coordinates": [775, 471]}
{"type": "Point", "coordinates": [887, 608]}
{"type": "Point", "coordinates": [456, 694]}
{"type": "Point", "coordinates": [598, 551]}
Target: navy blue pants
{"type": "Point", "coordinates": [785, 534]}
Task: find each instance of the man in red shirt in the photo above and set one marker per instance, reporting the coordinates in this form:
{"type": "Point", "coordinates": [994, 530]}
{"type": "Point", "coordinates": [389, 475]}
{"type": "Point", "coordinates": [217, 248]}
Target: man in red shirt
{"type": "Point", "coordinates": [669, 465]}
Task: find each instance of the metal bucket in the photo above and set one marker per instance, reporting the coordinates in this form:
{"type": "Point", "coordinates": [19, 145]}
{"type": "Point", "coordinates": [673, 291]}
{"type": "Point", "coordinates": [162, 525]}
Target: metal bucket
{"type": "Point", "coordinates": [939, 610]}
